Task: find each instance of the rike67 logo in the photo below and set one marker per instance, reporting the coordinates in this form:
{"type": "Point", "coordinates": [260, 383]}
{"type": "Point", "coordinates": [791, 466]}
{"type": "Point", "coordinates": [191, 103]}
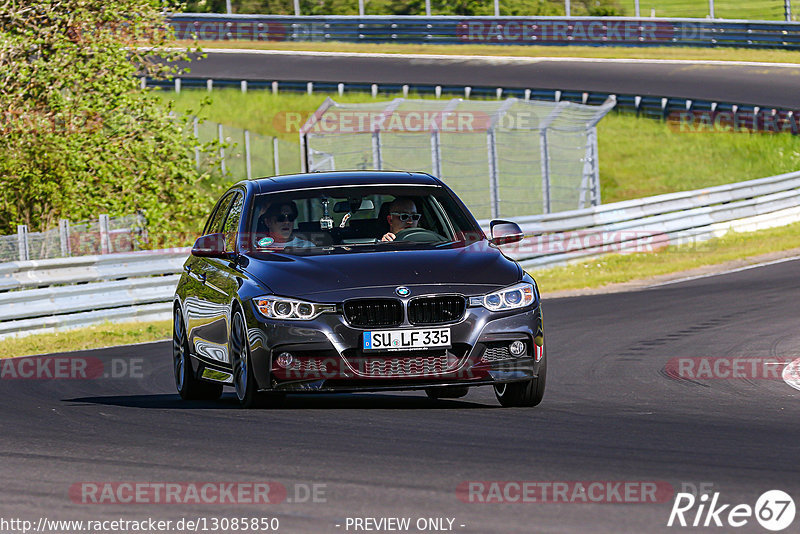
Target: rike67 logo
{"type": "Point", "coordinates": [774, 510]}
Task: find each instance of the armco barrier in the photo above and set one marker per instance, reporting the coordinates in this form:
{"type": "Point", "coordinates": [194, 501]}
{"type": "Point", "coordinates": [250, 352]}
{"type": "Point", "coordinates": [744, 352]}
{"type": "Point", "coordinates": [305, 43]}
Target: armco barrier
{"type": "Point", "coordinates": [588, 31]}
{"type": "Point", "coordinates": [45, 295]}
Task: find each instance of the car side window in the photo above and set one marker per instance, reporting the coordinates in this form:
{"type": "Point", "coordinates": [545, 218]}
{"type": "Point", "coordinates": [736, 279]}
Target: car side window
{"type": "Point", "coordinates": [231, 226]}
{"type": "Point", "coordinates": [214, 224]}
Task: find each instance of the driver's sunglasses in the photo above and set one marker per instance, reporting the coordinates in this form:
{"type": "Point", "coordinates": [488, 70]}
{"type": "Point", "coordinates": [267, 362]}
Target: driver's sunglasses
{"type": "Point", "coordinates": [283, 217]}
{"type": "Point", "coordinates": [404, 217]}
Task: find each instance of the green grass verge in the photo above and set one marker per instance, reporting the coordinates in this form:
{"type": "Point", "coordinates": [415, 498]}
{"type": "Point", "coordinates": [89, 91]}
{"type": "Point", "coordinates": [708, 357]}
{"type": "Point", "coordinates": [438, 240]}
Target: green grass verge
{"type": "Point", "coordinates": [607, 52]}
{"type": "Point", "coordinates": [93, 337]}
{"type": "Point", "coordinates": [619, 268]}
{"type": "Point", "coordinates": [638, 157]}
{"type": "Point", "coordinates": [727, 9]}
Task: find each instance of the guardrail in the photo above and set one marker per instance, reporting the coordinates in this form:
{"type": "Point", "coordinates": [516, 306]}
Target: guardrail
{"type": "Point", "coordinates": [63, 293]}
{"type": "Point", "coordinates": [46, 295]}
{"type": "Point", "coordinates": [684, 112]}
{"type": "Point", "coordinates": [645, 225]}
{"type": "Point", "coordinates": [588, 31]}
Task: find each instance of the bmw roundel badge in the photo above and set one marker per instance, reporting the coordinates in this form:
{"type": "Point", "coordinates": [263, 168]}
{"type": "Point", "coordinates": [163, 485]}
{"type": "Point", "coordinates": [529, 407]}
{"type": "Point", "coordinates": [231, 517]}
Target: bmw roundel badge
{"type": "Point", "coordinates": [402, 291]}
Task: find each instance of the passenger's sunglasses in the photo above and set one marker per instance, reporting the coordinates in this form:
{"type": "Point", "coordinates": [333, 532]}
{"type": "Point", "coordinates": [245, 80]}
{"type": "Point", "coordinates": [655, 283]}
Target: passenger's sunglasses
{"type": "Point", "coordinates": [283, 217]}
{"type": "Point", "coordinates": [405, 217]}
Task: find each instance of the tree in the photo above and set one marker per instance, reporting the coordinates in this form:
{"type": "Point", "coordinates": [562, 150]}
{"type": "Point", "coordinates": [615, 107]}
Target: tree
{"type": "Point", "coordinates": [80, 136]}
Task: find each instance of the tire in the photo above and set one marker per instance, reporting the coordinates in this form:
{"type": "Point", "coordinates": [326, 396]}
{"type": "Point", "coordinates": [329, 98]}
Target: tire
{"type": "Point", "coordinates": [447, 392]}
{"type": "Point", "coordinates": [525, 393]}
{"type": "Point", "coordinates": [244, 380]}
{"type": "Point", "coordinates": [189, 387]}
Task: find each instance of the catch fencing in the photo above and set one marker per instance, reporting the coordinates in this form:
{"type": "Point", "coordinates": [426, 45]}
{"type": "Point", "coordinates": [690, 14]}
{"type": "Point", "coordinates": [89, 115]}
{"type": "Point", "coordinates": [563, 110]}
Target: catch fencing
{"type": "Point", "coordinates": [246, 154]}
{"type": "Point", "coordinates": [104, 235]}
{"type": "Point", "coordinates": [555, 31]}
{"type": "Point", "coordinates": [503, 158]}
{"type": "Point", "coordinates": [55, 294]}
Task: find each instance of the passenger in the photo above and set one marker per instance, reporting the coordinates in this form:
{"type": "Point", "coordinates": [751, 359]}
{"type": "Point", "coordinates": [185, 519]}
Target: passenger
{"type": "Point", "coordinates": [278, 221]}
{"type": "Point", "coordinates": [402, 215]}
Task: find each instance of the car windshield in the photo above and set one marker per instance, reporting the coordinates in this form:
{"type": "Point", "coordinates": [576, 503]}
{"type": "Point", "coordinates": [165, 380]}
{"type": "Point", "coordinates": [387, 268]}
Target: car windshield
{"type": "Point", "coordinates": [363, 219]}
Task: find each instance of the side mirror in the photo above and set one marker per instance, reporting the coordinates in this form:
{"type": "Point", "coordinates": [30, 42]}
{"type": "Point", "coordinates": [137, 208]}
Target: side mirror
{"type": "Point", "coordinates": [505, 232]}
{"type": "Point", "coordinates": [211, 246]}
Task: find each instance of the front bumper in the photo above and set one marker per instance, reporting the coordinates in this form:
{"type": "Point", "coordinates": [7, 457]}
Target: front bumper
{"type": "Point", "coordinates": [326, 354]}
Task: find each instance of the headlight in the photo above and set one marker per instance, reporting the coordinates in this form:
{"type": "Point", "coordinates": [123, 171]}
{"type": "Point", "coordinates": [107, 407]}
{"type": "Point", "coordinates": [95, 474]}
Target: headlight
{"type": "Point", "coordinates": [291, 309]}
{"type": "Point", "coordinates": [517, 296]}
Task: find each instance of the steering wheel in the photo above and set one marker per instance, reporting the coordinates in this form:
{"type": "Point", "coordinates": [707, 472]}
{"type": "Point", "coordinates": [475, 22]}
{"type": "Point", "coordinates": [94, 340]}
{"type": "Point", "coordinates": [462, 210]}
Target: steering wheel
{"type": "Point", "coordinates": [418, 235]}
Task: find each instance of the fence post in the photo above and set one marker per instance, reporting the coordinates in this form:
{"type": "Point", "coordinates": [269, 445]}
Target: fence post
{"type": "Point", "coordinates": [377, 158]}
{"type": "Point", "coordinates": [195, 130]}
{"type": "Point", "coordinates": [243, 86]}
{"type": "Point", "coordinates": [497, 8]}
{"type": "Point", "coordinates": [221, 138]}
{"type": "Point", "coordinates": [247, 166]}
{"type": "Point", "coordinates": [787, 10]}
{"type": "Point", "coordinates": [22, 242]}
{"type": "Point", "coordinates": [436, 153]}
{"type": "Point", "coordinates": [711, 9]}
{"type": "Point", "coordinates": [63, 232]}
{"type": "Point", "coordinates": [275, 159]}
{"type": "Point", "coordinates": [209, 85]}
{"type": "Point", "coordinates": [636, 9]}
{"type": "Point", "coordinates": [427, 8]}
{"type": "Point", "coordinates": [567, 8]}
{"type": "Point", "coordinates": [545, 170]}
{"type": "Point", "coordinates": [493, 173]}
{"type": "Point", "coordinates": [105, 238]}
{"type": "Point", "coordinates": [296, 8]}
{"type": "Point", "coordinates": [177, 85]}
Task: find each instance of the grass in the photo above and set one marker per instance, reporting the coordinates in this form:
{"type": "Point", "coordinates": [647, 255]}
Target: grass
{"type": "Point", "coordinates": [727, 9]}
{"type": "Point", "coordinates": [638, 157]}
{"type": "Point", "coordinates": [607, 52]}
{"type": "Point", "coordinates": [618, 268]}
{"type": "Point", "coordinates": [101, 335]}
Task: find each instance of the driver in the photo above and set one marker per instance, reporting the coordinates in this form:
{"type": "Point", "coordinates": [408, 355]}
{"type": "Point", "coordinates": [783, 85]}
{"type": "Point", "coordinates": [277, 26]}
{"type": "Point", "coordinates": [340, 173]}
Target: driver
{"type": "Point", "coordinates": [402, 216]}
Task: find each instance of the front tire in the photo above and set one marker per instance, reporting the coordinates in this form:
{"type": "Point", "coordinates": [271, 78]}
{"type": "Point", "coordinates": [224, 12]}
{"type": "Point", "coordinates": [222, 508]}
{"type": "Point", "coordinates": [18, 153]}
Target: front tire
{"type": "Point", "coordinates": [189, 387]}
{"type": "Point", "coordinates": [525, 393]}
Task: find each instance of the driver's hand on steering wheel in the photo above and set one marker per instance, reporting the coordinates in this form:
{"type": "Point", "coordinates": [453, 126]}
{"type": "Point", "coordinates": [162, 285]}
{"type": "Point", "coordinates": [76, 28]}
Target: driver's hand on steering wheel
{"type": "Point", "coordinates": [388, 236]}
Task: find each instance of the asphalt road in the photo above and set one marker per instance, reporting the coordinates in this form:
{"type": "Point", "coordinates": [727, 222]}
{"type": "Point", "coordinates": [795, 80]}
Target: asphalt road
{"type": "Point", "coordinates": [611, 413]}
{"type": "Point", "coordinates": [773, 86]}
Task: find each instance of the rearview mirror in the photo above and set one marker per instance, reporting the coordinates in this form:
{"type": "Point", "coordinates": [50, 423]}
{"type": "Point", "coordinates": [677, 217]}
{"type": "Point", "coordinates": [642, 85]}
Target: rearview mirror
{"type": "Point", "coordinates": [211, 246]}
{"type": "Point", "coordinates": [505, 232]}
{"type": "Point", "coordinates": [346, 207]}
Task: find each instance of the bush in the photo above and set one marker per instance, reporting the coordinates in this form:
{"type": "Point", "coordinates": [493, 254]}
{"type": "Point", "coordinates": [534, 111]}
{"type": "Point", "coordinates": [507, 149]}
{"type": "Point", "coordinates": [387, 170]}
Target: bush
{"type": "Point", "coordinates": [80, 137]}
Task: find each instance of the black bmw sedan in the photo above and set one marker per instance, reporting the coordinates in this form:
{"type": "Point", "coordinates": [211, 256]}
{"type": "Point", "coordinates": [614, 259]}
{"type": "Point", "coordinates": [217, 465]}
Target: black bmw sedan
{"type": "Point", "coordinates": [354, 281]}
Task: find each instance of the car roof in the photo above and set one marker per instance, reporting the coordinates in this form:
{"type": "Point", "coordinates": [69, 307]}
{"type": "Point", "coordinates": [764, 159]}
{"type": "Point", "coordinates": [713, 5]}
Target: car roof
{"type": "Point", "coordinates": [314, 180]}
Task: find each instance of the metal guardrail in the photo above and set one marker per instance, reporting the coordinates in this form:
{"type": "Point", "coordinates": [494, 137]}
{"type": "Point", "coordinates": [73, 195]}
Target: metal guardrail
{"type": "Point", "coordinates": [588, 31]}
{"type": "Point", "coordinates": [55, 294]}
{"type": "Point", "coordinates": [645, 225]}
{"type": "Point", "coordinates": [683, 112]}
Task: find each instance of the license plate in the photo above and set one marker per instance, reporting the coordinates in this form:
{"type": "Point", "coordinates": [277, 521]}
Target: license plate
{"type": "Point", "coordinates": [407, 339]}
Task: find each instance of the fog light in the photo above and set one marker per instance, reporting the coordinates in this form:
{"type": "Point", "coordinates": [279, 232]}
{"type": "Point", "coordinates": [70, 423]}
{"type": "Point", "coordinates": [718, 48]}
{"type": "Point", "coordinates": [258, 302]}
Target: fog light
{"type": "Point", "coordinates": [517, 348]}
{"type": "Point", "coordinates": [285, 359]}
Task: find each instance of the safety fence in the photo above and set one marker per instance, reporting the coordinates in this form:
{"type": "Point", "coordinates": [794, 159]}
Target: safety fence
{"type": "Point", "coordinates": [104, 235]}
{"type": "Point", "coordinates": [531, 156]}
{"type": "Point", "coordinates": [47, 295]}
{"type": "Point", "coordinates": [246, 154]}
{"type": "Point", "coordinates": [556, 31]}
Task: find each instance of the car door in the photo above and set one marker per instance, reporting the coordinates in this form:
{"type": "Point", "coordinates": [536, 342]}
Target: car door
{"type": "Point", "coordinates": [206, 309]}
{"type": "Point", "coordinates": [222, 279]}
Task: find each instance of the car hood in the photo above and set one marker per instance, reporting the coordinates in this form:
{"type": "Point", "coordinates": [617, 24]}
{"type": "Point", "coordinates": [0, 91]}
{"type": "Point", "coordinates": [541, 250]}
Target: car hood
{"type": "Point", "coordinates": [471, 270]}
